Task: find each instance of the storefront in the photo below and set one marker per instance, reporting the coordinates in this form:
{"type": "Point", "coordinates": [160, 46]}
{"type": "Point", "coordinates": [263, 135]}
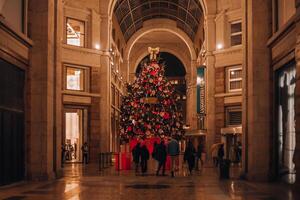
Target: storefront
{"type": "Point", "coordinates": [196, 136]}
{"type": "Point", "coordinates": [232, 139]}
{"type": "Point", "coordinates": [285, 122]}
{"type": "Point", "coordinates": [12, 123]}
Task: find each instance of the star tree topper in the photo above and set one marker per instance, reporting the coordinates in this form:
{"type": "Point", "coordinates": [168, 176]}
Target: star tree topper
{"type": "Point", "coordinates": [153, 53]}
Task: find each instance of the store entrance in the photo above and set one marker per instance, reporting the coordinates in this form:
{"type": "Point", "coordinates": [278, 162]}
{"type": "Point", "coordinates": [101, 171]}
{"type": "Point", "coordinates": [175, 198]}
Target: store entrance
{"type": "Point", "coordinates": [75, 133]}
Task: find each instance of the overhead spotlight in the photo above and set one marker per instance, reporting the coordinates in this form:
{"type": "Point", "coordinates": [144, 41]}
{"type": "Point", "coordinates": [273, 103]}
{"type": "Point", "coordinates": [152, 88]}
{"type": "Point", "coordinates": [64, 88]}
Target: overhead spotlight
{"type": "Point", "coordinates": [97, 46]}
{"type": "Point", "coordinates": [219, 46]}
{"type": "Point", "coordinates": [117, 71]}
{"type": "Point", "coordinates": [110, 49]}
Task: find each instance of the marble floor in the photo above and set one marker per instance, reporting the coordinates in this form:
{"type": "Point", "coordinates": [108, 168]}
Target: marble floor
{"type": "Point", "coordinates": [88, 183]}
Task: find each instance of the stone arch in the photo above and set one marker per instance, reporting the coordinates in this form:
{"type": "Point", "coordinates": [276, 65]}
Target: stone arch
{"type": "Point", "coordinates": [169, 50]}
{"type": "Point", "coordinates": [160, 25]}
{"type": "Point", "coordinates": [208, 6]}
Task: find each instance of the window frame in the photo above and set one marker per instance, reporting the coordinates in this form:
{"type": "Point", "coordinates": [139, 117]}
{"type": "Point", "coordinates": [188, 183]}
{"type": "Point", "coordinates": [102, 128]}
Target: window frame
{"type": "Point", "coordinates": [86, 77]}
{"type": "Point", "coordinates": [85, 31]}
{"type": "Point", "coordinates": [236, 33]}
{"type": "Point", "coordinates": [229, 80]}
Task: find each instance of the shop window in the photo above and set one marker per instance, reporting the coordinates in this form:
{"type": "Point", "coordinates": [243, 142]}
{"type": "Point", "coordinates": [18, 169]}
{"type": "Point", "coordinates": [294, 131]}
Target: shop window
{"type": "Point", "coordinates": [234, 79]}
{"type": "Point", "coordinates": [285, 124]}
{"type": "Point", "coordinates": [236, 33]}
{"type": "Point", "coordinates": [233, 116]}
{"type": "Point", "coordinates": [76, 78]}
{"type": "Point", "coordinates": [75, 32]}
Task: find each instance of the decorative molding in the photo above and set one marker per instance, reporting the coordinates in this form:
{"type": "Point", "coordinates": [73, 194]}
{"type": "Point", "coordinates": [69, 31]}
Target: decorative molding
{"type": "Point", "coordinates": [228, 57]}
{"type": "Point", "coordinates": [76, 99]}
{"type": "Point", "coordinates": [15, 34]}
{"type": "Point", "coordinates": [78, 93]}
{"type": "Point", "coordinates": [78, 11]}
{"type": "Point", "coordinates": [82, 56]}
{"type": "Point", "coordinates": [231, 94]}
{"type": "Point", "coordinates": [282, 31]}
{"type": "Point", "coordinates": [84, 50]}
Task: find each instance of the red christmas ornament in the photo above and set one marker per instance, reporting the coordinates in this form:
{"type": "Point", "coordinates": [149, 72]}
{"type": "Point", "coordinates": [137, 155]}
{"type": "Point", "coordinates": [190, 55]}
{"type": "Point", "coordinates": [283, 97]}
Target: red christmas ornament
{"type": "Point", "coordinates": [166, 115]}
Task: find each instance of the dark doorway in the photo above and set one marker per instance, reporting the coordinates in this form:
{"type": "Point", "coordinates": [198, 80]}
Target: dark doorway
{"type": "Point", "coordinates": [12, 150]}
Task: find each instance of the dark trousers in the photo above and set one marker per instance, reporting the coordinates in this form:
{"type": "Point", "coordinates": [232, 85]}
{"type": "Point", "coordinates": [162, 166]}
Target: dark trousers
{"type": "Point", "coordinates": [85, 158]}
{"type": "Point", "coordinates": [163, 165]}
{"type": "Point", "coordinates": [144, 165]}
{"type": "Point", "coordinates": [191, 164]}
{"type": "Point", "coordinates": [136, 166]}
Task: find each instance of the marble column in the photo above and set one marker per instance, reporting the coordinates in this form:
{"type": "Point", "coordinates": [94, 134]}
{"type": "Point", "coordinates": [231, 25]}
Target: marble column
{"type": "Point", "coordinates": [257, 99]}
{"type": "Point", "coordinates": [210, 32]}
{"type": "Point", "coordinates": [40, 122]}
{"type": "Point", "coordinates": [191, 98]}
{"type": "Point", "coordinates": [58, 84]}
{"type": "Point", "coordinates": [104, 84]}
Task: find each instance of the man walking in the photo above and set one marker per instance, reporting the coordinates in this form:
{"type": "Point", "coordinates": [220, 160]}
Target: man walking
{"type": "Point", "coordinates": [173, 151]}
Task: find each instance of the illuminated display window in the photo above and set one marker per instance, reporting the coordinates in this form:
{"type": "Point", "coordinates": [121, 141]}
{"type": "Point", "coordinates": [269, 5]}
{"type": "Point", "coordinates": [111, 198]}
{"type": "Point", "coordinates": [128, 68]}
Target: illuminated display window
{"type": "Point", "coordinates": [75, 32]}
{"type": "Point", "coordinates": [76, 78]}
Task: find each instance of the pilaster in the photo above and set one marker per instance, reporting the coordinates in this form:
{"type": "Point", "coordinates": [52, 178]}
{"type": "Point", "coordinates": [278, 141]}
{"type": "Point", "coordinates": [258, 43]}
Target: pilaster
{"type": "Point", "coordinates": [210, 77]}
{"type": "Point", "coordinates": [257, 99]}
{"type": "Point", "coordinates": [40, 138]}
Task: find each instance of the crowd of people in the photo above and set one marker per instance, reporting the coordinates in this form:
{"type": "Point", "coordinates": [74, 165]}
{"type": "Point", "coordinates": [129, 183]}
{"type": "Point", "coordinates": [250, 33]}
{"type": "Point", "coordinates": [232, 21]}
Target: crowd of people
{"type": "Point", "coordinates": [69, 152]}
{"type": "Point", "coordinates": [161, 150]}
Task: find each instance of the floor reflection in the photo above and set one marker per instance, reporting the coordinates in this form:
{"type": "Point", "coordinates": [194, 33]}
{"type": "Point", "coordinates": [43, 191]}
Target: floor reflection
{"type": "Point", "coordinates": [88, 183]}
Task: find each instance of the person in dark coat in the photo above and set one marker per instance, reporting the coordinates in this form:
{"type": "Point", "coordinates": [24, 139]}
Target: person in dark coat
{"type": "Point", "coordinates": [161, 157]}
{"type": "Point", "coordinates": [200, 151]}
{"type": "Point", "coordinates": [154, 152]}
{"type": "Point", "coordinates": [136, 154]}
{"type": "Point", "coordinates": [144, 158]}
{"type": "Point", "coordinates": [189, 156]}
{"type": "Point", "coordinates": [221, 153]}
{"type": "Point", "coordinates": [85, 152]}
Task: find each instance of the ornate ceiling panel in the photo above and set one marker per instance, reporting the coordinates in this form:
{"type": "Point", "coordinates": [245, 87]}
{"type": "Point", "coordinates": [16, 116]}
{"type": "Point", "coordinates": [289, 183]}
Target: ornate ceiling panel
{"type": "Point", "coordinates": [132, 13]}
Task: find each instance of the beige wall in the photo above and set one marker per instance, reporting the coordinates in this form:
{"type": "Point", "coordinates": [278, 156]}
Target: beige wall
{"type": "Point", "coordinates": [286, 9]}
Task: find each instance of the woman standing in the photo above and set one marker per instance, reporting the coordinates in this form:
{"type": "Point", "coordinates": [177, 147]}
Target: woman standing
{"type": "Point", "coordinates": [189, 156]}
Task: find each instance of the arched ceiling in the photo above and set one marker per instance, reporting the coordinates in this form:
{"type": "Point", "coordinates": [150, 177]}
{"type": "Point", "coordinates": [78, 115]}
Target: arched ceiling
{"type": "Point", "coordinates": [132, 13]}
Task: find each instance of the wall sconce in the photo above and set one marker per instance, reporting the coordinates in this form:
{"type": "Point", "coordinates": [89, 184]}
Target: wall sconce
{"type": "Point", "coordinates": [219, 46]}
{"type": "Point", "coordinates": [97, 46]}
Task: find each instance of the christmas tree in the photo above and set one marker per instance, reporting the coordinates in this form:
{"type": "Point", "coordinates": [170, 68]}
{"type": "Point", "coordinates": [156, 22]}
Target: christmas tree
{"type": "Point", "coordinates": [151, 107]}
